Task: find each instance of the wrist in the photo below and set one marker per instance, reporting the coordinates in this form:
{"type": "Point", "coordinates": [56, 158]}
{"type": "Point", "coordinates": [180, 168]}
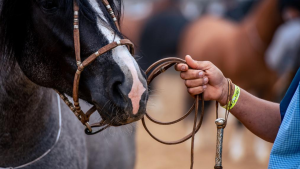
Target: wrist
{"type": "Point", "coordinates": [223, 100]}
{"type": "Point", "coordinates": [224, 87]}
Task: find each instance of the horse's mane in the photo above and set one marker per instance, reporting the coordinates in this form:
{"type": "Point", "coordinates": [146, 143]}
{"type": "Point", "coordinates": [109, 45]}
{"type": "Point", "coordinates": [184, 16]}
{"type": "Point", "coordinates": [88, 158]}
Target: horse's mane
{"type": "Point", "coordinates": [15, 21]}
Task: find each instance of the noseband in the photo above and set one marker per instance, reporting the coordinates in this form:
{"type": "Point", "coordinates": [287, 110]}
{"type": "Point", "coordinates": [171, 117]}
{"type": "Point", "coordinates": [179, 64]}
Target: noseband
{"type": "Point", "coordinates": [157, 68]}
{"type": "Point", "coordinates": [84, 118]}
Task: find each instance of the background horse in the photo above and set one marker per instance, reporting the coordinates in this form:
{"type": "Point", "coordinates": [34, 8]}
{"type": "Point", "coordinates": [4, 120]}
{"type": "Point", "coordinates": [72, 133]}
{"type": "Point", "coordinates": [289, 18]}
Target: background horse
{"type": "Point", "coordinates": [170, 34]}
{"type": "Point", "coordinates": [237, 48]}
{"type": "Point", "coordinates": [37, 54]}
{"type": "Point", "coordinates": [137, 14]}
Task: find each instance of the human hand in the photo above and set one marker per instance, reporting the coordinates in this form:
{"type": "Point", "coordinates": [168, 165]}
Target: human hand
{"type": "Point", "coordinates": [203, 76]}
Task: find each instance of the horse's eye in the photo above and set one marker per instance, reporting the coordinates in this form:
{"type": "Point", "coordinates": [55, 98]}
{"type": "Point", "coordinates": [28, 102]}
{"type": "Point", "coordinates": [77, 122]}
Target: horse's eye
{"type": "Point", "coordinates": [48, 5]}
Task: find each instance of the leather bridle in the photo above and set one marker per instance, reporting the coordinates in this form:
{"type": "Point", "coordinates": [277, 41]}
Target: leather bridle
{"type": "Point", "coordinates": [161, 66]}
{"type": "Point", "coordinates": [84, 118]}
{"type": "Point", "coordinates": [154, 70]}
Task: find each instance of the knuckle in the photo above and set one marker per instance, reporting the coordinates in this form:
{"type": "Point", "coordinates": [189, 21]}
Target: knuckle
{"type": "Point", "coordinates": [182, 75]}
{"type": "Point", "coordinates": [199, 90]}
{"type": "Point", "coordinates": [208, 63]}
{"type": "Point", "coordinates": [190, 90]}
{"type": "Point", "coordinates": [178, 67]}
{"type": "Point", "coordinates": [199, 82]}
{"type": "Point", "coordinates": [187, 83]}
{"type": "Point", "coordinates": [195, 73]}
{"type": "Point", "coordinates": [211, 64]}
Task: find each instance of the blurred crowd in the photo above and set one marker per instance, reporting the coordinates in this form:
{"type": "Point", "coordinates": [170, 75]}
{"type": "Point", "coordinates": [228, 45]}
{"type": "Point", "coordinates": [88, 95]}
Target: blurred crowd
{"type": "Point", "coordinates": [157, 26]}
{"type": "Point", "coordinates": [283, 46]}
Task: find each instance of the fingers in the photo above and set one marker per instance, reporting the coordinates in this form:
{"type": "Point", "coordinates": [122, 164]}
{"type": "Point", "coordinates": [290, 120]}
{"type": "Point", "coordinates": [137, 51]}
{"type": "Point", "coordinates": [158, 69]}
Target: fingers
{"type": "Point", "coordinates": [196, 82]}
{"type": "Point", "coordinates": [192, 74]}
{"type": "Point", "coordinates": [181, 67]}
{"type": "Point", "coordinates": [197, 90]}
{"type": "Point", "coordinates": [200, 65]}
{"type": "Point", "coordinates": [191, 62]}
{"type": "Point", "coordinates": [196, 86]}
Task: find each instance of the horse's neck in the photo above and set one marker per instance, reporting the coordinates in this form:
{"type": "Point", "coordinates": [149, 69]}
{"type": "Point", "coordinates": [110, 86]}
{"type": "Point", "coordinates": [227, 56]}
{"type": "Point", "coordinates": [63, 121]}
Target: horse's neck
{"type": "Point", "coordinates": [263, 22]}
{"type": "Point", "coordinates": [28, 118]}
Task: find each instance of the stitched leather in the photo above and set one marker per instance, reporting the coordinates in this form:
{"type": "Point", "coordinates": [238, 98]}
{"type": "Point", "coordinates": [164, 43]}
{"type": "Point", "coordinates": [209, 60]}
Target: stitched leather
{"type": "Point", "coordinates": [75, 108]}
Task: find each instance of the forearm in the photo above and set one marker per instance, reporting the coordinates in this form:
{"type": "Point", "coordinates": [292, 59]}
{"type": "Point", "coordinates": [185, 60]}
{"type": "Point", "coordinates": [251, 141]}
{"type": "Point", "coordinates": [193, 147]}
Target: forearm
{"type": "Point", "coordinates": [260, 116]}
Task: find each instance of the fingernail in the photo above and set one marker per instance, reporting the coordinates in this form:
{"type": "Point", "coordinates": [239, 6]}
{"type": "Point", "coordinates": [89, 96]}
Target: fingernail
{"type": "Point", "coordinates": [205, 80]}
{"type": "Point", "coordinates": [182, 68]}
{"type": "Point", "coordinates": [200, 74]}
{"type": "Point", "coordinates": [188, 56]}
{"type": "Point", "coordinates": [204, 87]}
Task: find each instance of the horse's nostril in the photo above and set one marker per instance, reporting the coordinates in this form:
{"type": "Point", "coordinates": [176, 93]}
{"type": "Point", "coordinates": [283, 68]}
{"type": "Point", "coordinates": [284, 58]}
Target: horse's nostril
{"type": "Point", "coordinates": [119, 91]}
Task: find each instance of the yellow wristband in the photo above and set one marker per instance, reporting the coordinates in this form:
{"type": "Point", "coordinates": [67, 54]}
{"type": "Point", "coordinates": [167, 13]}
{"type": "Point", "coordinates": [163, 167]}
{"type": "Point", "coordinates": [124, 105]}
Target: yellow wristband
{"type": "Point", "coordinates": [235, 98]}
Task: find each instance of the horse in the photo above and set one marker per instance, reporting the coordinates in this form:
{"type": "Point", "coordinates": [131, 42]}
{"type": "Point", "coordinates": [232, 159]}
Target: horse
{"type": "Point", "coordinates": [37, 55]}
{"type": "Point", "coordinates": [160, 35]}
{"type": "Point", "coordinates": [199, 38]}
{"type": "Point", "coordinates": [134, 23]}
{"type": "Point", "coordinates": [241, 47]}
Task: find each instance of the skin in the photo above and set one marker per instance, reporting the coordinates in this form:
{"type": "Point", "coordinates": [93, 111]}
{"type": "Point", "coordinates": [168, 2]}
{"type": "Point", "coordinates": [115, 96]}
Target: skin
{"type": "Point", "coordinates": [261, 117]}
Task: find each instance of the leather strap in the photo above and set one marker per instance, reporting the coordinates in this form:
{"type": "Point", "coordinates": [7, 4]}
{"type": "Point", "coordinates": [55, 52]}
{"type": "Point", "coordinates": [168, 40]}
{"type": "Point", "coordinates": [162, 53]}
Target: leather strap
{"type": "Point", "coordinates": [111, 12]}
{"type": "Point", "coordinates": [156, 69]}
{"type": "Point", "coordinates": [76, 109]}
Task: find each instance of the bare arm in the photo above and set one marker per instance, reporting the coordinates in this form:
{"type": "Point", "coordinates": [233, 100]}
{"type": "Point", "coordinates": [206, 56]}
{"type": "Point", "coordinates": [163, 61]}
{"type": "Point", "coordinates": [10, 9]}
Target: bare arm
{"type": "Point", "coordinates": [259, 116]}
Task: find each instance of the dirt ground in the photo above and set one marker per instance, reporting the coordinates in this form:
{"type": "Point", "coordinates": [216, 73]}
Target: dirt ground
{"type": "Point", "coordinates": [167, 103]}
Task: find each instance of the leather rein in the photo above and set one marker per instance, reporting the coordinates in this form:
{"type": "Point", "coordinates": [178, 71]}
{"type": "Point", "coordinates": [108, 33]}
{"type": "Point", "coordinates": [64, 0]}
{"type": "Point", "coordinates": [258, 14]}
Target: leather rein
{"type": "Point", "coordinates": [84, 118]}
{"type": "Point", "coordinates": [158, 68]}
{"type": "Point", "coordinates": [153, 71]}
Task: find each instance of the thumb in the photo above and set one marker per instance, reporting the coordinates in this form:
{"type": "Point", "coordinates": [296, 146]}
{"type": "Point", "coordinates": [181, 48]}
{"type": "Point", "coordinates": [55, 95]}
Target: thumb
{"type": "Point", "coordinates": [191, 62]}
{"type": "Point", "coordinates": [195, 64]}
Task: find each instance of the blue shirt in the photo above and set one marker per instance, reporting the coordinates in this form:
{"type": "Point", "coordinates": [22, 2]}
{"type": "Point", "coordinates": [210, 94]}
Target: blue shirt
{"type": "Point", "coordinates": [285, 153]}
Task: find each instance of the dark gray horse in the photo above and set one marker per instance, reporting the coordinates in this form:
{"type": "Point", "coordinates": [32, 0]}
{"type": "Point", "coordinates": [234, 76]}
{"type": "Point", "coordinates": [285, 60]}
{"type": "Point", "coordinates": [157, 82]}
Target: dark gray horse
{"type": "Point", "coordinates": [37, 54]}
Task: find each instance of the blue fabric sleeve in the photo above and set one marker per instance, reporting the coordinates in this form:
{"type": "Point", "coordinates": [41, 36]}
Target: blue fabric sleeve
{"type": "Point", "coordinates": [289, 94]}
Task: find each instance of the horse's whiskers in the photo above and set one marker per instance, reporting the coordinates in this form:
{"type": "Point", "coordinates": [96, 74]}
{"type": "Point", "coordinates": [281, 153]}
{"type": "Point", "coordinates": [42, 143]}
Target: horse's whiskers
{"type": "Point", "coordinates": [137, 57]}
{"type": "Point", "coordinates": [100, 118]}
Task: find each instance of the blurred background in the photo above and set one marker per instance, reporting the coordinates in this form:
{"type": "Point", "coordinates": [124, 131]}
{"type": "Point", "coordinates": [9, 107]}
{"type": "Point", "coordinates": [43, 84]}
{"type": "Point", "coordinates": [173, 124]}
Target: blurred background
{"type": "Point", "coordinates": [256, 43]}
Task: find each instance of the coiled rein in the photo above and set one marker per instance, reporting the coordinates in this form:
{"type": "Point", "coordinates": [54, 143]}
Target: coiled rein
{"type": "Point", "coordinates": [153, 71]}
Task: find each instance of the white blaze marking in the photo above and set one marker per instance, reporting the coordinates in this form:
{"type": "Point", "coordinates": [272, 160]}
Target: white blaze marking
{"type": "Point", "coordinates": [124, 59]}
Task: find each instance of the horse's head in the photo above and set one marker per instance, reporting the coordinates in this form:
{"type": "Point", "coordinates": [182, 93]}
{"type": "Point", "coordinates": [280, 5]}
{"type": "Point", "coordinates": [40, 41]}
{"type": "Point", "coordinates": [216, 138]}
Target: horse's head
{"type": "Point", "coordinates": [39, 34]}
